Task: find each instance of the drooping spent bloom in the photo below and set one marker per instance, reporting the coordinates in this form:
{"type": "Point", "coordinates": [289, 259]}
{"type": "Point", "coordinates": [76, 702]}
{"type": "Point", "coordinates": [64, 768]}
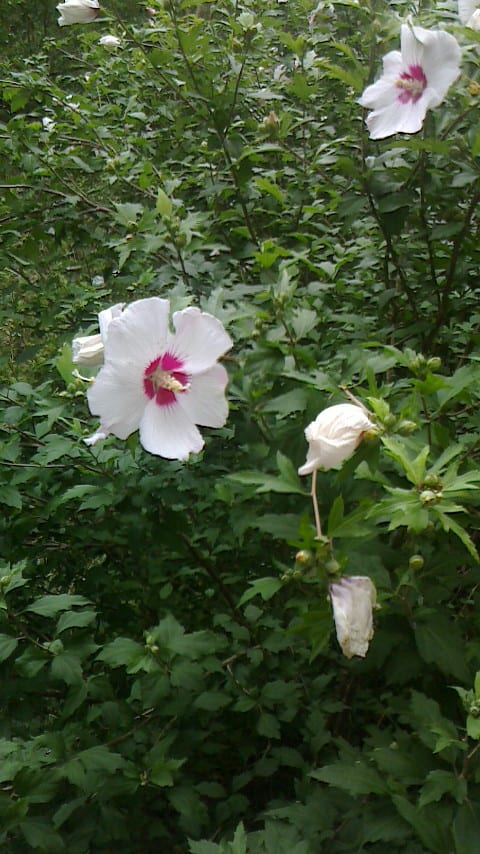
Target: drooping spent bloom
{"type": "Point", "coordinates": [160, 382]}
{"type": "Point", "coordinates": [78, 12]}
{"type": "Point", "coordinates": [89, 349]}
{"type": "Point", "coordinates": [334, 435]}
{"type": "Point", "coordinates": [353, 600]}
{"type": "Point", "coordinates": [415, 79]}
{"type": "Point", "coordinates": [110, 42]}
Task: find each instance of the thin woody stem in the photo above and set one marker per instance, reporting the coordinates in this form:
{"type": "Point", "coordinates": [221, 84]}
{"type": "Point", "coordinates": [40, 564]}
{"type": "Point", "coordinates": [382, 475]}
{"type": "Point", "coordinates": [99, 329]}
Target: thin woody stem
{"type": "Point", "coordinates": [315, 504]}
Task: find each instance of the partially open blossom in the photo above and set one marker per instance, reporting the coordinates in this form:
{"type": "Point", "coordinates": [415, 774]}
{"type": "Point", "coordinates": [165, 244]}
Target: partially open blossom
{"type": "Point", "coordinates": [159, 382]}
{"type": "Point", "coordinates": [334, 436]}
{"type": "Point", "coordinates": [78, 12]}
{"type": "Point", "coordinates": [110, 42]}
{"type": "Point", "coordinates": [415, 79]}
{"type": "Point", "coordinates": [89, 349]}
{"type": "Point", "coordinates": [353, 600]}
{"type": "Point", "coordinates": [468, 13]}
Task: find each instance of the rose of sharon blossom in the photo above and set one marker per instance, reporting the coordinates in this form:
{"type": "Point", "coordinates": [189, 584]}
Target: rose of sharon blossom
{"type": "Point", "coordinates": [159, 382]}
{"type": "Point", "coordinates": [353, 600]}
{"type": "Point", "coordinates": [415, 79]}
{"type": "Point", "coordinates": [110, 42]}
{"type": "Point", "coordinates": [78, 12]}
{"type": "Point", "coordinates": [88, 349]}
{"type": "Point", "coordinates": [334, 436]}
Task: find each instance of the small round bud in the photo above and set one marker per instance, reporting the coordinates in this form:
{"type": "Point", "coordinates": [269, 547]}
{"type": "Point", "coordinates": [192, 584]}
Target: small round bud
{"type": "Point", "coordinates": [428, 496]}
{"type": "Point", "coordinates": [406, 428]}
{"type": "Point", "coordinates": [432, 481]}
{"type": "Point", "coordinates": [416, 562]}
{"type": "Point", "coordinates": [434, 364]}
{"type": "Point", "coordinates": [390, 420]}
{"type": "Point", "coordinates": [333, 567]}
{"type": "Point", "coordinates": [304, 557]}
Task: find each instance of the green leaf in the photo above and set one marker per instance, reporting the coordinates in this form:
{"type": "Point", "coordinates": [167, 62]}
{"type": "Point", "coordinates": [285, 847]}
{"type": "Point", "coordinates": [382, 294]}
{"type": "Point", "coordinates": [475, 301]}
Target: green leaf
{"type": "Point", "coordinates": [414, 469]}
{"type": "Point", "coordinates": [75, 619]}
{"type": "Point", "coordinates": [10, 496]}
{"type": "Point", "coordinates": [466, 827]}
{"type": "Point", "coordinates": [39, 834]}
{"type": "Point", "coordinates": [121, 652]}
{"type": "Point", "coordinates": [51, 605]}
{"type": "Point", "coordinates": [264, 587]}
{"type": "Point", "coordinates": [7, 646]}
{"type": "Point", "coordinates": [67, 668]}
{"type": "Point", "coordinates": [212, 701]}
{"type": "Point", "coordinates": [439, 642]}
{"type": "Point", "coordinates": [163, 204]}
{"type": "Point", "coordinates": [356, 778]}
{"type": "Point", "coordinates": [439, 783]}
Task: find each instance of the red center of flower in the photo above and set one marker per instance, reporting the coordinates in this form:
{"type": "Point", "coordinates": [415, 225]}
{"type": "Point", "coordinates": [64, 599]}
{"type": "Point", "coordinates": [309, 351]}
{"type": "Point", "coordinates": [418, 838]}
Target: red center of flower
{"type": "Point", "coordinates": [164, 379]}
{"type": "Point", "coordinates": [412, 84]}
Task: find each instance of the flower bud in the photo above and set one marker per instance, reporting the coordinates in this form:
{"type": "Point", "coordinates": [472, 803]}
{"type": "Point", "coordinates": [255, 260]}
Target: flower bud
{"type": "Point", "coordinates": [334, 436]}
{"type": "Point", "coordinates": [406, 428]}
{"type": "Point", "coordinates": [416, 562]}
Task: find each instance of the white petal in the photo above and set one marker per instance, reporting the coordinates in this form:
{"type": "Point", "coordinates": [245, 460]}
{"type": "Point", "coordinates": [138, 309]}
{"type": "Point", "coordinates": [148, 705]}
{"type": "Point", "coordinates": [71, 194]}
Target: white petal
{"type": "Point", "coordinates": [200, 339]}
{"type": "Point", "coordinates": [87, 350]}
{"type": "Point", "coordinates": [118, 397]}
{"type": "Point", "coordinates": [383, 93]}
{"type": "Point", "coordinates": [397, 118]}
{"type": "Point", "coordinates": [106, 316]}
{"type": "Point", "coordinates": [168, 432]}
{"type": "Point", "coordinates": [139, 334]}
{"type": "Point", "coordinates": [205, 402]}
{"type": "Point", "coordinates": [99, 436]}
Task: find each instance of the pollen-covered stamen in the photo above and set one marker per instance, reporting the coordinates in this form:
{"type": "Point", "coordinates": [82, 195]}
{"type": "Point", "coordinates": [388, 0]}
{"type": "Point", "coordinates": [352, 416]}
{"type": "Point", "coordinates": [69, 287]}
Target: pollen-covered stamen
{"type": "Point", "coordinates": [412, 84]}
{"type": "Point", "coordinates": [164, 378]}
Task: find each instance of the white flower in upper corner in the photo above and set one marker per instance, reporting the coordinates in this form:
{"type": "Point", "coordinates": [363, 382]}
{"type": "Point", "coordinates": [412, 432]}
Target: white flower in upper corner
{"type": "Point", "coordinates": [110, 42]}
{"type": "Point", "coordinates": [334, 436]}
{"type": "Point", "coordinates": [78, 12]}
{"type": "Point", "coordinates": [160, 382]}
{"type": "Point", "coordinates": [474, 21]}
{"type": "Point", "coordinates": [353, 600]}
{"type": "Point", "coordinates": [415, 79]}
{"type": "Point", "coordinates": [89, 349]}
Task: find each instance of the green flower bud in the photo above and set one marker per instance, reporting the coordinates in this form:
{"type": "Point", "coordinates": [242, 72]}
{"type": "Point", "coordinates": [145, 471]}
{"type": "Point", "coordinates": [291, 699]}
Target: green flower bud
{"type": "Point", "coordinates": [406, 428]}
{"type": "Point", "coordinates": [416, 562]}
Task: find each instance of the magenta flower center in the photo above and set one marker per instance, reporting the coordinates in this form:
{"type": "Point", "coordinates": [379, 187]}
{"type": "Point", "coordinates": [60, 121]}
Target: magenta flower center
{"type": "Point", "coordinates": [412, 84]}
{"type": "Point", "coordinates": [164, 378]}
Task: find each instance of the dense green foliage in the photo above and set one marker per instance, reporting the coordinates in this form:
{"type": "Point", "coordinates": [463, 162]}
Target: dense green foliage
{"type": "Point", "coordinates": [170, 677]}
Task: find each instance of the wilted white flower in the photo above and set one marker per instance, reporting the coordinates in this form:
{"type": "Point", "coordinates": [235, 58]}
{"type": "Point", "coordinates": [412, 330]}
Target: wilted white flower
{"type": "Point", "coordinates": [110, 42]}
{"type": "Point", "coordinates": [89, 349]}
{"type": "Point", "coordinates": [48, 124]}
{"type": "Point", "coordinates": [333, 436]}
{"type": "Point", "coordinates": [78, 12]}
{"type": "Point", "coordinates": [415, 79]}
{"type": "Point", "coordinates": [353, 600]}
{"type": "Point", "coordinates": [160, 382]}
